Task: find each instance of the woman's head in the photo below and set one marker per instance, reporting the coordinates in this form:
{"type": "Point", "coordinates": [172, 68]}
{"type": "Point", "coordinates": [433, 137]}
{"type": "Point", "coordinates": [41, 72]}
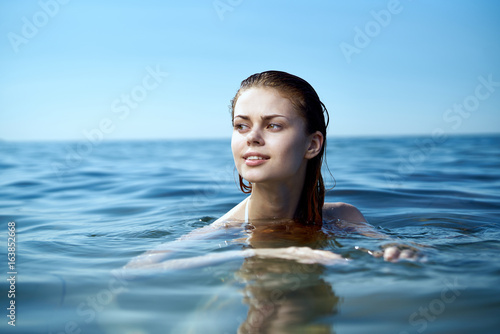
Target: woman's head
{"type": "Point", "coordinates": [288, 91]}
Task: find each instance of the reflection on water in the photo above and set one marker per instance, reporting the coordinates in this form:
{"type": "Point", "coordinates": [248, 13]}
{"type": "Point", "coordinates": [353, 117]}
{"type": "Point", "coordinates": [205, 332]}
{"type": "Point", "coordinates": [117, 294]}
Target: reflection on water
{"type": "Point", "coordinates": [284, 296]}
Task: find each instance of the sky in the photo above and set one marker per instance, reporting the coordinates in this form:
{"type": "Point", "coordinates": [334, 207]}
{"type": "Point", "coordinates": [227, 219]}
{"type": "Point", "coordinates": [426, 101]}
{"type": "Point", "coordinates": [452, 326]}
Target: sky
{"type": "Point", "coordinates": [114, 70]}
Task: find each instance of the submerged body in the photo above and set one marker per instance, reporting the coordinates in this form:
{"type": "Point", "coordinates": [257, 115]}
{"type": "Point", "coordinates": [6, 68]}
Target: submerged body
{"type": "Point", "coordinates": [287, 239]}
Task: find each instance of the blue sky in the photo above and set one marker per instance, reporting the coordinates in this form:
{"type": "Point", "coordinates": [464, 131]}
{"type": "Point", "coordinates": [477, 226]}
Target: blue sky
{"type": "Point", "coordinates": [167, 69]}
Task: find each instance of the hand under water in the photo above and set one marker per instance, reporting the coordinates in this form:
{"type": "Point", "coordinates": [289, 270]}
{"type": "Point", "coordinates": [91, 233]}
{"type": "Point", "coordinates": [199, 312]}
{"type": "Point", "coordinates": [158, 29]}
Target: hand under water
{"type": "Point", "coordinates": [394, 252]}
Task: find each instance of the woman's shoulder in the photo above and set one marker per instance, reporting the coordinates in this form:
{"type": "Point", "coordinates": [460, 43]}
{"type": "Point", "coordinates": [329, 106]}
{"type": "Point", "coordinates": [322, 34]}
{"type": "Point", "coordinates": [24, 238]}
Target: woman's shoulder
{"type": "Point", "coordinates": [235, 214]}
{"type": "Point", "coordinates": [233, 218]}
{"type": "Point", "coordinates": [342, 211]}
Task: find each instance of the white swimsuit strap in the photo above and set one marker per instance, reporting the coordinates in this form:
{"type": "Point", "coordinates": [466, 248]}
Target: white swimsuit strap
{"type": "Point", "coordinates": [246, 210]}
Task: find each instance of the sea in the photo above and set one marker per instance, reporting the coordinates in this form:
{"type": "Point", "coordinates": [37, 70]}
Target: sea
{"type": "Point", "coordinates": [72, 214]}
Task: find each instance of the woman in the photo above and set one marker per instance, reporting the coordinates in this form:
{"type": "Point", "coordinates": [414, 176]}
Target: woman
{"type": "Point", "coordinates": [278, 143]}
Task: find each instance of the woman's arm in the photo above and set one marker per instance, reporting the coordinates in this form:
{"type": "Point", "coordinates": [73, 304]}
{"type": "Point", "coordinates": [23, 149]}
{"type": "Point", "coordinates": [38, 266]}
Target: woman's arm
{"type": "Point", "coordinates": [227, 223]}
{"type": "Point", "coordinates": [348, 217]}
{"type": "Point", "coordinates": [161, 259]}
{"type": "Point", "coordinates": [304, 255]}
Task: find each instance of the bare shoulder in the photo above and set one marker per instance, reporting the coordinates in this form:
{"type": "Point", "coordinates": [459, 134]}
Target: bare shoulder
{"type": "Point", "coordinates": [342, 211]}
{"type": "Point", "coordinates": [233, 218]}
{"type": "Point", "coordinates": [235, 214]}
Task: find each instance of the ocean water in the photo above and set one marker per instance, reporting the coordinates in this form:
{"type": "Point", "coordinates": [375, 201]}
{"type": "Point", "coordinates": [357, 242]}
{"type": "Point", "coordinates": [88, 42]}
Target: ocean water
{"type": "Point", "coordinates": [83, 210]}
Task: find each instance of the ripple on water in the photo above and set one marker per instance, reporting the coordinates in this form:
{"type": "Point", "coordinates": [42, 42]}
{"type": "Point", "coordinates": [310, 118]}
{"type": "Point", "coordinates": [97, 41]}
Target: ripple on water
{"type": "Point", "coordinates": [127, 197]}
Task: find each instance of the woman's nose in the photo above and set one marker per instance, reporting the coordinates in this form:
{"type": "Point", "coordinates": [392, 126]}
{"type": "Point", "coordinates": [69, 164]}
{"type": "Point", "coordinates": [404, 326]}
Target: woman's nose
{"type": "Point", "coordinates": [254, 137]}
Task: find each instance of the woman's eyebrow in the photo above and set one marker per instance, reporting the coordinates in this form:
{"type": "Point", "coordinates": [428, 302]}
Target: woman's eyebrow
{"type": "Point", "coordinates": [264, 117]}
{"type": "Point", "coordinates": [268, 117]}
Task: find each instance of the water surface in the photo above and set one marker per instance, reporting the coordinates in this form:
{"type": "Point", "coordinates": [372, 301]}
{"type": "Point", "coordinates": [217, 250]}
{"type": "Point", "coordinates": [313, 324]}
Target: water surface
{"type": "Point", "coordinates": [82, 211]}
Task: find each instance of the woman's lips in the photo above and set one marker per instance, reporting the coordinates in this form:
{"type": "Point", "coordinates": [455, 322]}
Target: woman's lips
{"type": "Point", "coordinates": [255, 159]}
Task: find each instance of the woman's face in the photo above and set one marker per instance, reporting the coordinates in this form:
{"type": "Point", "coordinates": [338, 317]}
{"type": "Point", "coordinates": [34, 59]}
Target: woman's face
{"type": "Point", "coordinates": [269, 141]}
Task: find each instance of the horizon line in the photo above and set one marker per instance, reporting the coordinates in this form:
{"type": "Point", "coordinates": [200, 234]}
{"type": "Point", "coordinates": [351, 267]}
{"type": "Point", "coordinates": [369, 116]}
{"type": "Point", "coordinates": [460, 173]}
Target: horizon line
{"type": "Point", "coordinates": [361, 136]}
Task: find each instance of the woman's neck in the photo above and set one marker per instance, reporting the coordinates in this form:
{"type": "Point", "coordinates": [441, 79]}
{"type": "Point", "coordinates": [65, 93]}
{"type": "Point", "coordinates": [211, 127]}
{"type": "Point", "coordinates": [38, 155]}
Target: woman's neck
{"type": "Point", "coordinates": [274, 201]}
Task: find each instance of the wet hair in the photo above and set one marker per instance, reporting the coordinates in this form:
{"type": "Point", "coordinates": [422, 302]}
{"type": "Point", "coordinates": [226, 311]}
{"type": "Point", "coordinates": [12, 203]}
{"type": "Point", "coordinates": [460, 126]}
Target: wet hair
{"type": "Point", "coordinates": [308, 105]}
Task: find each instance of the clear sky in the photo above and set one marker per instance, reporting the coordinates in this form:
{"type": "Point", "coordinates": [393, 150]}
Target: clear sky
{"type": "Point", "coordinates": [168, 69]}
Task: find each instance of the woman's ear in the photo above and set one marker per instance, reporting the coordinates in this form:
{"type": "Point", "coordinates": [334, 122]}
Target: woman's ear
{"type": "Point", "coordinates": [315, 145]}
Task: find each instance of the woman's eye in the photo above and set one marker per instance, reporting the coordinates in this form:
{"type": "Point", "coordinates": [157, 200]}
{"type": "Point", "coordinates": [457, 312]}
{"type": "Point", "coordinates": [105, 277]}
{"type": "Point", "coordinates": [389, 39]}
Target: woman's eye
{"type": "Point", "coordinates": [240, 127]}
{"type": "Point", "coordinates": [274, 126]}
